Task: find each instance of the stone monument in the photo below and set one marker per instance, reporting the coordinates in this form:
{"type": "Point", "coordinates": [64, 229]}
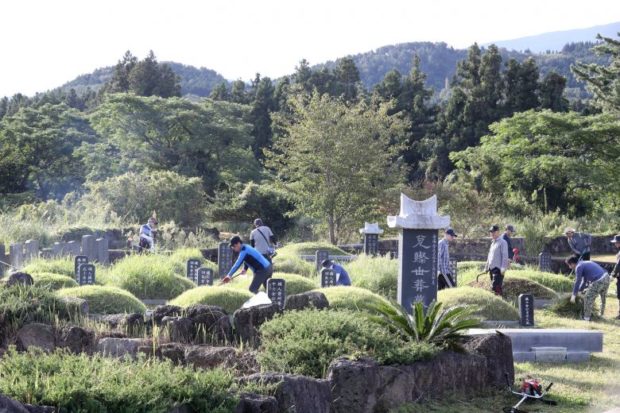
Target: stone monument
{"type": "Point", "coordinates": [418, 223]}
{"type": "Point", "coordinates": [371, 234]}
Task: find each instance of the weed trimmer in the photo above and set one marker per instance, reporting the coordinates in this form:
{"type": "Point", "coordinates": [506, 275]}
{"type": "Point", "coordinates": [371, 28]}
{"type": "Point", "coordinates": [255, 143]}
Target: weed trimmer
{"type": "Point", "coordinates": [482, 273]}
{"type": "Point", "coordinates": [531, 390]}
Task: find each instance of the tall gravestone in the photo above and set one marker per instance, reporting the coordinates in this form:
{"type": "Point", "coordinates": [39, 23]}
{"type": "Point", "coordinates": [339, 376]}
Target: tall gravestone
{"type": "Point", "coordinates": [544, 261]}
{"type": "Point", "coordinates": [78, 261]}
{"type": "Point", "coordinates": [371, 233]}
{"type": "Point", "coordinates": [454, 267]}
{"type": "Point", "coordinates": [224, 259]}
{"type": "Point", "coordinates": [3, 260]}
{"type": "Point", "coordinates": [418, 223]}
{"type": "Point", "coordinates": [205, 276]}
{"type": "Point", "coordinates": [319, 257]}
{"type": "Point", "coordinates": [73, 249]}
{"type": "Point", "coordinates": [276, 291]}
{"type": "Point", "coordinates": [58, 249]}
{"type": "Point", "coordinates": [86, 274]}
{"type": "Point", "coordinates": [191, 270]}
{"type": "Point", "coordinates": [102, 251]}
{"type": "Point", "coordinates": [328, 278]}
{"type": "Point", "coordinates": [31, 250]}
{"type": "Point", "coordinates": [88, 247]}
{"type": "Point", "coordinates": [526, 310]}
{"type": "Point", "coordinates": [16, 253]}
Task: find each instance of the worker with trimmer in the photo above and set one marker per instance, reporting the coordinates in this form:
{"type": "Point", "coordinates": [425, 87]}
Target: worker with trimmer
{"type": "Point", "coordinates": [259, 265]}
{"type": "Point", "coordinates": [497, 261]}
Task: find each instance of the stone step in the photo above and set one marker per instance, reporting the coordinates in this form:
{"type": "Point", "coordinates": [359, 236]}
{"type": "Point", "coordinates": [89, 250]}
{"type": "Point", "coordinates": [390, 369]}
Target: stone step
{"type": "Point", "coordinates": [574, 340]}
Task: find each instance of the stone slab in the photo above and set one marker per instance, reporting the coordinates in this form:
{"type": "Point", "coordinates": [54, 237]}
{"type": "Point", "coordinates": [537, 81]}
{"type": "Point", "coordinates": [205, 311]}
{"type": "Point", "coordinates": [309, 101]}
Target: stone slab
{"type": "Point", "coordinates": [573, 340]}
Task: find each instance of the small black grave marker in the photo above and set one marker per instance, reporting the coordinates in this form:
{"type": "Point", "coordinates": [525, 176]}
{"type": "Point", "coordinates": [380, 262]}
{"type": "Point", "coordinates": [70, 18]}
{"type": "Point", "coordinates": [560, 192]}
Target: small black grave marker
{"type": "Point", "coordinates": [276, 291]}
{"type": "Point", "coordinates": [87, 274]}
{"type": "Point", "coordinates": [526, 310]}
{"type": "Point", "coordinates": [544, 261]}
{"type": "Point", "coordinates": [192, 269]}
{"type": "Point", "coordinates": [79, 260]}
{"type": "Point", "coordinates": [320, 256]}
{"type": "Point", "coordinates": [205, 276]}
{"type": "Point", "coordinates": [224, 259]}
{"type": "Point", "coordinates": [328, 278]}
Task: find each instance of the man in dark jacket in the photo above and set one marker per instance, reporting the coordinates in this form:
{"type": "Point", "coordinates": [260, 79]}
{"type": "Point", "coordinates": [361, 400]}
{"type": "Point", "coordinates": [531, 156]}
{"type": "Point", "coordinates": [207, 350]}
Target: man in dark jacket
{"type": "Point", "coordinates": [579, 243]}
{"type": "Point", "coordinates": [508, 233]}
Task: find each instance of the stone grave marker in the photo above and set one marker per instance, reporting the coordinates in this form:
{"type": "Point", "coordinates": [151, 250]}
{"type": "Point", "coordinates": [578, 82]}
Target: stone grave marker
{"type": "Point", "coordinates": [31, 250]}
{"type": "Point", "coordinates": [205, 276]}
{"type": "Point", "coordinates": [73, 248]}
{"type": "Point", "coordinates": [371, 234]}
{"type": "Point", "coordinates": [16, 252]}
{"type": "Point", "coordinates": [86, 274]}
{"type": "Point", "coordinates": [328, 278]}
{"type": "Point", "coordinates": [58, 249]}
{"type": "Point", "coordinates": [544, 261]}
{"type": "Point", "coordinates": [88, 247]}
{"type": "Point", "coordinates": [191, 271]}
{"type": "Point", "coordinates": [526, 310]}
{"type": "Point", "coordinates": [319, 257]}
{"type": "Point", "coordinates": [103, 251]}
{"type": "Point", "coordinates": [224, 259]}
{"type": "Point", "coordinates": [77, 262]}
{"type": "Point", "coordinates": [454, 268]}
{"type": "Point", "coordinates": [276, 291]}
{"type": "Point", "coordinates": [418, 223]}
{"type": "Point", "coordinates": [3, 260]}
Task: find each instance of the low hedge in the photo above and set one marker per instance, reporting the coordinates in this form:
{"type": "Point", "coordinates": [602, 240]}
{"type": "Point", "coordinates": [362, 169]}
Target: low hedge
{"type": "Point", "coordinates": [53, 282]}
{"type": "Point", "coordinates": [146, 277]}
{"type": "Point", "coordinates": [379, 275]}
{"type": "Point", "coordinates": [292, 264]}
{"type": "Point", "coordinates": [351, 298]}
{"type": "Point", "coordinates": [62, 266]}
{"type": "Point", "coordinates": [515, 286]}
{"type": "Point", "coordinates": [306, 342]}
{"type": "Point", "coordinates": [83, 383]}
{"type": "Point", "coordinates": [230, 299]}
{"type": "Point", "coordinates": [295, 284]}
{"type": "Point", "coordinates": [488, 305]}
{"type": "Point", "coordinates": [105, 300]}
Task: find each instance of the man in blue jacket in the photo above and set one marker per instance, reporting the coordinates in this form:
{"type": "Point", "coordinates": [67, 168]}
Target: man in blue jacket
{"type": "Point", "coordinates": [591, 273]}
{"type": "Point", "coordinates": [259, 265]}
{"type": "Point", "coordinates": [342, 276]}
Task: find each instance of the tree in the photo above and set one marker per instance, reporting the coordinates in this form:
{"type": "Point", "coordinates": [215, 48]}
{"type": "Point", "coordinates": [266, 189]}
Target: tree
{"type": "Point", "coordinates": [262, 106]}
{"type": "Point", "coordinates": [347, 79]}
{"type": "Point", "coordinates": [552, 93]}
{"type": "Point", "coordinates": [557, 161]}
{"type": "Point", "coordinates": [603, 81]}
{"type": "Point", "coordinates": [237, 93]}
{"type": "Point", "coordinates": [337, 161]}
{"type": "Point", "coordinates": [220, 92]}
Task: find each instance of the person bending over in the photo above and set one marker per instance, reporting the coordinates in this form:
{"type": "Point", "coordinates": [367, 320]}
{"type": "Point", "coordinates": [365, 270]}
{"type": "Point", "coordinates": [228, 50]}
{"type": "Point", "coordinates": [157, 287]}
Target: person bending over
{"type": "Point", "coordinates": [342, 276]}
{"type": "Point", "coordinates": [147, 235]}
{"type": "Point", "coordinates": [592, 274]}
{"type": "Point", "coordinates": [259, 265]}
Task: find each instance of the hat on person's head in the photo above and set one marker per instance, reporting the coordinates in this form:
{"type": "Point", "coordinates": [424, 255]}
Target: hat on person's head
{"type": "Point", "coordinates": [450, 231]}
{"type": "Point", "coordinates": [235, 240]}
{"type": "Point", "coordinates": [152, 220]}
{"type": "Point", "coordinates": [616, 239]}
{"type": "Point", "coordinates": [326, 263]}
{"type": "Point", "coordinates": [258, 222]}
{"type": "Point", "coordinates": [494, 228]}
{"type": "Point", "coordinates": [568, 230]}
{"type": "Point", "coordinates": [511, 228]}
{"type": "Point", "coordinates": [571, 260]}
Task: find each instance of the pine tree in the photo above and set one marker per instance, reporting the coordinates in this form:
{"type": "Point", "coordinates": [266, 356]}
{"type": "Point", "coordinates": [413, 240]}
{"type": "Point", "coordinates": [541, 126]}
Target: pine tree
{"type": "Point", "coordinates": [552, 93]}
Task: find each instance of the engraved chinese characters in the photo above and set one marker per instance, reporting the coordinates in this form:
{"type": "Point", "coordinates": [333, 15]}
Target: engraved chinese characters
{"type": "Point", "coordinates": [418, 252]}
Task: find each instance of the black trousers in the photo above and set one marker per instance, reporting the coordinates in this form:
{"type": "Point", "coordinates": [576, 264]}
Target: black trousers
{"type": "Point", "coordinates": [497, 281]}
{"type": "Point", "coordinates": [260, 278]}
{"type": "Point", "coordinates": [442, 283]}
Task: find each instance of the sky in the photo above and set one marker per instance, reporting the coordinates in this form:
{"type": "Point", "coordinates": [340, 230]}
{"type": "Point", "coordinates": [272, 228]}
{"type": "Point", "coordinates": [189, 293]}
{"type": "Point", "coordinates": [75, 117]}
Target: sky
{"type": "Point", "coordinates": [45, 43]}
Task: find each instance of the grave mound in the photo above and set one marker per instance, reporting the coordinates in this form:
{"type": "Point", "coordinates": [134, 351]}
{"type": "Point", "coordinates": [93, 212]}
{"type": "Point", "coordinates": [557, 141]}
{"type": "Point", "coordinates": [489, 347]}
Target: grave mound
{"type": "Point", "coordinates": [105, 300]}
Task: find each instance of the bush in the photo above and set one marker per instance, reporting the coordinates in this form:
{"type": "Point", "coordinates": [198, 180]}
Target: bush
{"type": "Point", "coordinates": [379, 275]}
{"type": "Point", "coordinates": [147, 277]}
{"type": "Point", "coordinates": [82, 383]}
{"type": "Point", "coordinates": [306, 342]}
{"type": "Point", "coordinates": [230, 299]}
{"type": "Point", "coordinates": [488, 306]}
{"type": "Point", "coordinates": [352, 298]}
{"type": "Point", "coordinates": [514, 286]}
{"type": "Point", "coordinates": [309, 248]}
{"type": "Point", "coordinates": [105, 300]}
{"type": "Point", "coordinates": [292, 264]}
{"type": "Point", "coordinates": [33, 304]}
{"type": "Point", "coordinates": [295, 284]}
{"type": "Point", "coordinates": [52, 282]}
{"type": "Point", "coordinates": [62, 266]}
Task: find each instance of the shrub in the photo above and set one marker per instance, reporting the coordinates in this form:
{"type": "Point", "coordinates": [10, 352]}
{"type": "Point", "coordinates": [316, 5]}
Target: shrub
{"type": "Point", "coordinates": [62, 266]}
{"type": "Point", "coordinates": [49, 281]}
{"type": "Point", "coordinates": [147, 277]}
{"type": "Point", "coordinates": [352, 298]}
{"type": "Point", "coordinates": [309, 248]}
{"type": "Point", "coordinates": [292, 264]}
{"type": "Point", "coordinates": [230, 299]}
{"type": "Point", "coordinates": [105, 300]}
{"type": "Point", "coordinates": [33, 304]}
{"type": "Point", "coordinates": [306, 342]}
{"type": "Point", "coordinates": [487, 305]}
{"type": "Point", "coordinates": [82, 383]}
{"type": "Point", "coordinates": [379, 275]}
{"type": "Point", "coordinates": [514, 286]}
{"type": "Point", "coordinates": [295, 284]}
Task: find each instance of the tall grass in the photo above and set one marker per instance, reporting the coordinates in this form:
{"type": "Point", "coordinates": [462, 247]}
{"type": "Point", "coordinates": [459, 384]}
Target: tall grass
{"type": "Point", "coordinates": [378, 274]}
{"type": "Point", "coordinates": [105, 300]}
{"type": "Point", "coordinates": [310, 248]}
{"type": "Point", "coordinates": [63, 266]}
{"type": "Point", "coordinates": [488, 306]}
{"type": "Point", "coordinates": [52, 282]}
{"type": "Point", "coordinates": [352, 298]}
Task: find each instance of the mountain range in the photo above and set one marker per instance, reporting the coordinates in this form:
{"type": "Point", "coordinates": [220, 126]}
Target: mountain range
{"type": "Point", "coordinates": [555, 51]}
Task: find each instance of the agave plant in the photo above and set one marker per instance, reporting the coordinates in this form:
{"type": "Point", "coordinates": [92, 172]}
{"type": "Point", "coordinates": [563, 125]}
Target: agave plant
{"type": "Point", "coordinates": [438, 326]}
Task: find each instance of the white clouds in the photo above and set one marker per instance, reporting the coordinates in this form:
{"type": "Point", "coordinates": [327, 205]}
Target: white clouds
{"type": "Point", "coordinates": [45, 43]}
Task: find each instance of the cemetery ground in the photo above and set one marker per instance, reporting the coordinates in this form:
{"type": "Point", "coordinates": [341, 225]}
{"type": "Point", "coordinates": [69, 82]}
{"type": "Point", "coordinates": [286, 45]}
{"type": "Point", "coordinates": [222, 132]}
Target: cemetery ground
{"type": "Point", "coordinates": [151, 385]}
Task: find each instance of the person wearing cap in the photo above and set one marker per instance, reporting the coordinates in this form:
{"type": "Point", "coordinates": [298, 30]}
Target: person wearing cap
{"type": "Point", "coordinates": [445, 278]}
{"type": "Point", "coordinates": [497, 260]}
{"type": "Point", "coordinates": [616, 271]}
{"type": "Point", "coordinates": [342, 276]}
{"type": "Point", "coordinates": [260, 266]}
{"type": "Point", "coordinates": [596, 277]}
{"type": "Point", "coordinates": [508, 232]}
{"type": "Point", "coordinates": [147, 235]}
{"type": "Point", "coordinates": [579, 243]}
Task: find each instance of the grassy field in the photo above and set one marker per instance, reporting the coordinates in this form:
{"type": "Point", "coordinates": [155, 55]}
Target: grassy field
{"type": "Point", "coordinates": [592, 387]}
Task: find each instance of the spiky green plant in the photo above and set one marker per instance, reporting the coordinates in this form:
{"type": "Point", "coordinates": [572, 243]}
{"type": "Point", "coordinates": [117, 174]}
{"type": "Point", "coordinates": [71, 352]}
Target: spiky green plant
{"type": "Point", "coordinates": [436, 326]}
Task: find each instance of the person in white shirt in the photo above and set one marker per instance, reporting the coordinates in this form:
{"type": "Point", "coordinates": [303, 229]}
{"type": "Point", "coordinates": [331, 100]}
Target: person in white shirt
{"type": "Point", "coordinates": [497, 261]}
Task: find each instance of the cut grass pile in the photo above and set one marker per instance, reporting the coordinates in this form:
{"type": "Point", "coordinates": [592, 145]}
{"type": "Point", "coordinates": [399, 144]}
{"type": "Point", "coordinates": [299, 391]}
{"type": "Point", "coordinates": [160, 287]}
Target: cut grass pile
{"type": "Point", "coordinates": [514, 286]}
{"type": "Point", "coordinates": [379, 275]}
{"type": "Point", "coordinates": [105, 300]}
{"type": "Point", "coordinates": [230, 299]}
{"type": "Point", "coordinates": [488, 306]}
{"type": "Point", "coordinates": [351, 298]}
